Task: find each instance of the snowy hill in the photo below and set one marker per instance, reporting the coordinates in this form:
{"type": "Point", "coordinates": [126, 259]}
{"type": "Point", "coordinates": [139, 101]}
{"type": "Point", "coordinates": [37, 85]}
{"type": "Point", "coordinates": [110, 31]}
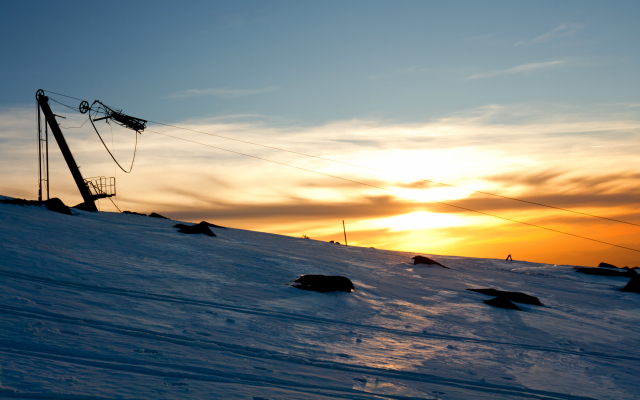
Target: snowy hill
{"type": "Point", "coordinates": [106, 306]}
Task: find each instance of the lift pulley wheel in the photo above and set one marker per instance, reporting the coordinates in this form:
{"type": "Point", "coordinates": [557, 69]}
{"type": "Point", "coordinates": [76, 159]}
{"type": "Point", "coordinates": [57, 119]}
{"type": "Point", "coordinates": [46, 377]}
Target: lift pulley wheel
{"type": "Point", "coordinates": [84, 107]}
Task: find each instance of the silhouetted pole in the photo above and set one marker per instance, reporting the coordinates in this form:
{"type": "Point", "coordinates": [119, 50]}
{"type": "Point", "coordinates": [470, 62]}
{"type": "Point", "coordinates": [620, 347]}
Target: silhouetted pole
{"type": "Point", "coordinates": [345, 234]}
{"type": "Point", "coordinates": [50, 119]}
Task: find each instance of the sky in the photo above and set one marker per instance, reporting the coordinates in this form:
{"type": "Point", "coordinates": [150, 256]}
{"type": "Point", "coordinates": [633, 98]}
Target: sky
{"type": "Point", "coordinates": [534, 100]}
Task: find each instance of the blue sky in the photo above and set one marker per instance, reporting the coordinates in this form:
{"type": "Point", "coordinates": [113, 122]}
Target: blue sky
{"type": "Point", "coordinates": [312, 62]}
{"type": "Point", "coordinates": [536, 100]}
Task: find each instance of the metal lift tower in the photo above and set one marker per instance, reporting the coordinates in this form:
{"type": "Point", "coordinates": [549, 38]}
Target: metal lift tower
{"type": "Point", "coordinates": [91, 189]}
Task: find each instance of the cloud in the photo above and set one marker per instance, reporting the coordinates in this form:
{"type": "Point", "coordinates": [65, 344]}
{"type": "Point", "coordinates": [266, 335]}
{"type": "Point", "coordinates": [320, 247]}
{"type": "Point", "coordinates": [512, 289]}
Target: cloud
{"type": "Point", "coordinates": [581, 200]}
{"type": "Point", "coordinates": [515, 150]}
{"type": "Point", "coordinates": [537, 178]}
{"type": "Point", "coordinates": [295, 209]}
{"type": "Point", "coordinates": [560, 31]}
{"type": "Point", "coordinates": [226, 93]}
{"type": "Point", "coordinates": [562, 181]}
{"type": "Point", "coordinates": [519, 69]}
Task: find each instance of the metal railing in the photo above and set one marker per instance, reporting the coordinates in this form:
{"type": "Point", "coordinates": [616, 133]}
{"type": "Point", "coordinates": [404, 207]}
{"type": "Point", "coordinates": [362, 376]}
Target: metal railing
{"type": "Point", "coordinates": [101, 186]}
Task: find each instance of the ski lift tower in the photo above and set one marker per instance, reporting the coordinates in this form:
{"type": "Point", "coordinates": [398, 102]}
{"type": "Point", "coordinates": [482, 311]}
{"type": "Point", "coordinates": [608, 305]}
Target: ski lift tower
{"type": "Point", "coordinates": [91, 189]}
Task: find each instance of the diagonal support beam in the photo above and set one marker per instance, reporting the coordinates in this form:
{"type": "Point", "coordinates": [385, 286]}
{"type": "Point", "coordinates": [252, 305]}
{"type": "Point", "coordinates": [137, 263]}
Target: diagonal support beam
{"type": "Point", "coordinates": [66, 152]}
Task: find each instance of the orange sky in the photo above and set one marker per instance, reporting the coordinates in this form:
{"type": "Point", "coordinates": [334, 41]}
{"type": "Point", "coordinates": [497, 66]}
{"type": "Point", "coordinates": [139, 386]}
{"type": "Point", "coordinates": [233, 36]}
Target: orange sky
{"type": "Point", "coordinates": [577, 161]}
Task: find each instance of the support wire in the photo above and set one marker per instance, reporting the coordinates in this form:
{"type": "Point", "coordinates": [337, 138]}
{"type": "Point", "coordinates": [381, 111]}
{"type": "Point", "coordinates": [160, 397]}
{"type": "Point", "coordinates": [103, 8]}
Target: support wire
{"type": "Point", "coordinates": [397, 192]}
{"type": "Point", "coordinates": [403, 175]}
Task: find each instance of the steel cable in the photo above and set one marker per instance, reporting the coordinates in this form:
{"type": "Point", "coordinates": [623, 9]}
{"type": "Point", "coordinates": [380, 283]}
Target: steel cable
{"type": "Point", "coordinates": [403, 175]}
{"type": "Point", "coordinates": [396, 192]}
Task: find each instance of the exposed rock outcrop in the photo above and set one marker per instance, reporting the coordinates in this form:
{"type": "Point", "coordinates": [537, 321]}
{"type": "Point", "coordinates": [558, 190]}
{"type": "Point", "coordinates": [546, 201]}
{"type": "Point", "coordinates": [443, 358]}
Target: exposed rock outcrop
{"type": "Point", "coordinates": [606, 272]}
{"type": "Point", "coordinates": [518, 297]}
{"type": "Point", "coordinates": [53, 204]}
{"type": "Point", "coordinates": [195, 229]}
{"type": "Point", "coordinates": [209, 224]}
{"type": "Point", "coordinates": [605, 265]}
{"type": "Point", "coordinates": [502, 302]}
{"type": "Point", "coordinates": [155, 215]}
{"type": "Point", "coordinates": [426, 260]}
{"type": "Point", "coordinates": [633, 285]}
{"type": "Point", "coordinates": [134, 213]}
{"type": "Point", "coordinates": [324, 283]}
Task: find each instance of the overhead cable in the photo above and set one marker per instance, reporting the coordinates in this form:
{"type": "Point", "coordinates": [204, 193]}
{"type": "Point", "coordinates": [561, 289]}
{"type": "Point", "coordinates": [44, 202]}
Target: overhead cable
{"type": "Point", "coordinates": [135, 149]}
{"type": "Point", "coordinates": [397, 192]}
{"type": "Point", "coordinates": [64, 95]}
{"type": "Point", "coordinates": [378, 170]}
{"type": "Point", "coordinates": [403, 175]}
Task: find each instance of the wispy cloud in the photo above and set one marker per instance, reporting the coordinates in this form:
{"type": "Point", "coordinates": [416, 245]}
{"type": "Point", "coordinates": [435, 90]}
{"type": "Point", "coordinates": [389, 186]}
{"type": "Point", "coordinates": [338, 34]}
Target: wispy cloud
{"type": "Point", "coordinates": [538, 153]}
{"type": "Point", "coordinates": [519, 69]}
{"type": "Point", "coordinates": [562, 30]}
{"type": "Point", "coordinates": [226, 93]}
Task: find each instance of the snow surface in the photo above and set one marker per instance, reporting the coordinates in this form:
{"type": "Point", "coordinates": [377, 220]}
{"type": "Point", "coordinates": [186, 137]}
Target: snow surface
{"type": "Point", "coordinates": [107, 305]}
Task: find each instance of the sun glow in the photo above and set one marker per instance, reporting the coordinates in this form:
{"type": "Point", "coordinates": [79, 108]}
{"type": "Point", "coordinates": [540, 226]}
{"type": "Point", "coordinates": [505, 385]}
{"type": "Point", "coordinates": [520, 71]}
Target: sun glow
{"type": "Point", "coordinates": [414, 220]}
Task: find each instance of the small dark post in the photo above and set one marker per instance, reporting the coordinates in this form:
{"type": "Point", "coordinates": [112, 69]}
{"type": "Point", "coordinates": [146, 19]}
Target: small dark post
{"type": "Point", "coordinates": [43, 158]}
{"type": "Point", "coordinates": [345, 234]}
{"type": "Point", "coordinates": [39, 156]}
{"type": "Point", "coordinates": [509, 258]}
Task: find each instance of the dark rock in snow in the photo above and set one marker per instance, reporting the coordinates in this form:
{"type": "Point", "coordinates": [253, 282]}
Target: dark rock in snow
{"type": "Point", "coordinates": [606, 272]}
{"type": "Point", "coordinates": [633, 285]}
{"type": "Point", "coordinates": [22, 202]}
{"type": "Point", "coordinates": [324, 283]}
{"type": "Point", "coordinates": [518, 297]}
{"type": "Point", "coordinates": [425, 260]}
{"type": "Point", "coordinates": [212, 225]}
{"type": "Point", "coordinates": [134, 213]}
{"type": "Point", "coordinates": [154, 215]}
{"type": "Point", "coordinates": [84, 207]}
{"type": "Point", "coordinates": [195, 229]}
{"type": "Point", "coordinates": [16, 202]}
{"type": "Point", "coordinates": [502, 302]}
{"type": "Point", "coordinates": [53, 204]}
{"type": "Point", "coordinates": [605, 265]}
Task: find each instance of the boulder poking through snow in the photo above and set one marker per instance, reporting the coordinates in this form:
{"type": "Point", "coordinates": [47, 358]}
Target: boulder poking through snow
{"type": "Point", "coordinates": [134, 213]}
{"type": "Point", "coordinates": [195, 229]}
{"type": "Point", "coordinates": [324, 283]}
{"type": "Point", "coordinates": [53, 204]}
{"type": "Point", "coordinates": [502, 302]}
{"type": "Point", "coordinates": [156, 215]}
{"type": "Point", "coordinates": [633, 285]}
{"type": "Point", "coordinates": [606, 272]}
{"type": "Point", "coordinates": [210, 225]}
{"type": "Point", "coordinates": [518, 297]}
{"type": "Point", "coordinates": [605, 265]}
{"type": "Point", "coordinates": [84, 207]}
{"type": "Point", "coordinates": [426, 260]}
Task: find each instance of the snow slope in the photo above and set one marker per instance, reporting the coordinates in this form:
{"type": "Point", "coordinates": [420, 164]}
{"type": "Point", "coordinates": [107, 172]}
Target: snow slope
{"type": "Point", "coordinates": [106, 306]}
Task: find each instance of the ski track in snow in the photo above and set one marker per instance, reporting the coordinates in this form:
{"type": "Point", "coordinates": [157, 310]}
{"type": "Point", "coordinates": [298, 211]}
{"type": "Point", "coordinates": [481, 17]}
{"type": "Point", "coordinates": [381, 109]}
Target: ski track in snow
{"type": "Point", "coordinates": [105, 306]}
{"type": "Point", "coordinates": [290, 316]}
{"type": "Point", "coordinates": [244, 351]}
